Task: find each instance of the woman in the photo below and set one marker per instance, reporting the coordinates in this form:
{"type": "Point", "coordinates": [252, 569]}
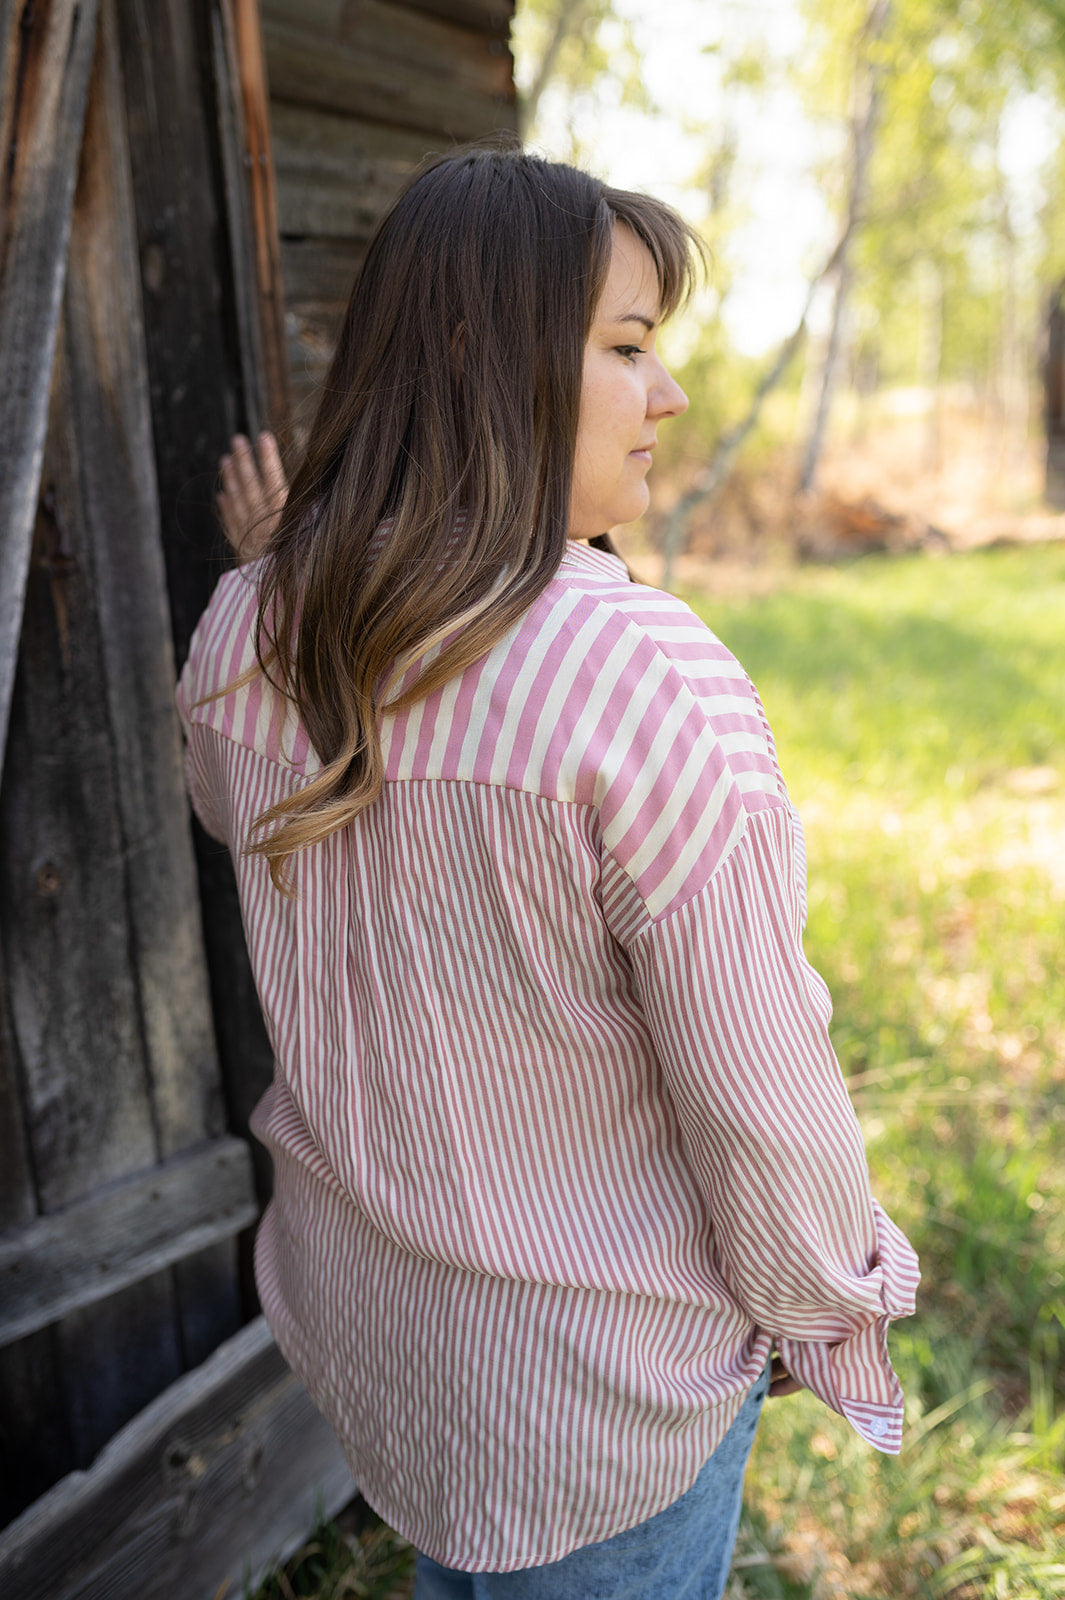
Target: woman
{"type": "Point", "coordinates": [561, 1149]}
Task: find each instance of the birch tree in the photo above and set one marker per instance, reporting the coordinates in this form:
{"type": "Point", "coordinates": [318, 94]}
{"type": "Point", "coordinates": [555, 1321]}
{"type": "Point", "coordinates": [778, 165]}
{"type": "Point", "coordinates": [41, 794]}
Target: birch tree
{"type": "Point", "coordinates": [867, 81]}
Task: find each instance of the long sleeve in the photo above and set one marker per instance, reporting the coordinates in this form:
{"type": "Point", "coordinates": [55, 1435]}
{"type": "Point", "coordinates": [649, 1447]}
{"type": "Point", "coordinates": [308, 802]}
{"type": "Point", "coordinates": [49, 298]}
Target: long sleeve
{"type": "Point", "coordinates": [740, 1023]}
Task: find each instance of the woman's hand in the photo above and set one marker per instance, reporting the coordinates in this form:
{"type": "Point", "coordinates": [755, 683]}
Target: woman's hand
{"type": "Point", "coordinates": [252, 495]}
{"type": "Point", "coordinates": [781, 1380]}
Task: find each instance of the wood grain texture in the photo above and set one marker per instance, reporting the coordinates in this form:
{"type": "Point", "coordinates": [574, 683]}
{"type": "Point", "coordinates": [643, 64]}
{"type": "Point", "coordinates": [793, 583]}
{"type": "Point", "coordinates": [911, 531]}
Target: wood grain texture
{"type": "Point", "coordinates": [18, 1198]}
{"type": "Point", "coordinates": [64, 913]}
{"type": "Point", "coordinates": [109, 1021]}
{"type": "Point", "coordinates": [197, 387]}
{"type": "Point", "coordinates": [35, 1422]}
{"type": "Point", "coordinates": [121, 1234]}
{"type": "Point", "coordinates": [251, 209]}
{"type": "Point", "coordinates": [11, 67]}
{"type": "Point", "coordinates": [337, 175]}
{"type": "Point", "coordinates": [117, 503]}
{"type": "Point", "coordinates": [64, 932]}
{"type": "Point", "coordinates": [51, 81]}
{"type": "Point", "coordinates": [320, 271]}
{"type": "Point", "coordinates": [319, 274]}
{"type": "Point", "coordinates": [488, 16]}
{"type": "Point", "coordinates": [386, 63]}
{"type": "Point", "coordinates": [220, 1476]}
{"type": "Point", "coordinates": [194, 358]}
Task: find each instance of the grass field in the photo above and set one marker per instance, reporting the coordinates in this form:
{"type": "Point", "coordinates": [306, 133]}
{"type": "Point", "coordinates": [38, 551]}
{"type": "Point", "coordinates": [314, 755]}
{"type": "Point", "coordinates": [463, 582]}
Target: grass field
{"type": "Point", "coordinates": [919, 708]}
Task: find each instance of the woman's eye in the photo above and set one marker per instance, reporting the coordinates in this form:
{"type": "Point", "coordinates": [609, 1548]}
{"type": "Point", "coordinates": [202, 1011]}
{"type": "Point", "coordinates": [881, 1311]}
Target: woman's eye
{"type": "Point", "coordinates": [629, 351]}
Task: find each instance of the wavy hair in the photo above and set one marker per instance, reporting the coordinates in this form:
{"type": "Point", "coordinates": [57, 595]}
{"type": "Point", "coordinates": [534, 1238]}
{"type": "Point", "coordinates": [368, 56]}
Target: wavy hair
{"type": "Point", "coordinates": [431, 506]}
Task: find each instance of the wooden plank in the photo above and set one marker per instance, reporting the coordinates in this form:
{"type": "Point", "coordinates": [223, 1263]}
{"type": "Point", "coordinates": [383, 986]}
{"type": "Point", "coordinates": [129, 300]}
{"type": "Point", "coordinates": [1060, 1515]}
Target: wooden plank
{"type": "Point", "coordinates": [197, 388]}
{"type": "Point", "coordinates": [111, 413]}
{"type": "Point", "coordinates": [18, 1200]}
{"type": "Point", "coordinates": [64, 919]}
{"type": "Point", "coordinates": [247, 165]}
{"type": "Point", "coordinates": [483, 16]}
{"type": "Point", "coordinates": [389, 64]}
{"type": "Point", "coordinates": [11, 67]}
{"type": "Point", "coordinates": [52, 79]}
{"type": "Point", "coordinates": [210, 1291]}
{"type": "Point", "coordinates": [121, 1234]}
{"type": "Point", "coordinates": [194, 365]}
{"type": "Point", "coordinates": [106, 968]}
{"type": "Point", "coordinates": [119, 506]}
{"type": "Point", "coordinates": [320, 272]}
{"type": "Point", "coordinates": [488, 16]}
{"type": "Point", "coordinates": [336, 176]}
{"type": "Point", "coordinates": [64, 931]}
{"type": "Point", "coordinates": [65, 935]}
{"type": "Point", "coordinates": [112, 1358]}
{"type": "Point", "coordinates": [117, 502]}
{"type": "Point", "coordinates": [35, 1422]}
{"type": "Point", "coordinates": [219, 1477]}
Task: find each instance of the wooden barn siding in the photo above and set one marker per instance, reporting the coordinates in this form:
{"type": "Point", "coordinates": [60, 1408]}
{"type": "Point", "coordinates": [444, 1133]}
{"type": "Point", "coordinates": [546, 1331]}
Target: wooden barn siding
{"type": "Point", "coordinates": [361, 91]}
{"type": "Point", "coordinates": [223, 1475]}
{"type": "Point", "coordinates": [109, 1064]}
{"type": "Point", "coordinates": [203, 386]}
{"type": "Point", "coordinates": [108, 1082]}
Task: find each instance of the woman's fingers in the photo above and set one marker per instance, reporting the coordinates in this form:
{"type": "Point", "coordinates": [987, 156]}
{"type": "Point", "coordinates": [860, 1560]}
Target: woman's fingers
{"type": "Point", "coordinates": [781, 1380]}
{"type": "Point", "coordinates": [252, 493]}
{"type": "Point", "coordinates": [273, 473]}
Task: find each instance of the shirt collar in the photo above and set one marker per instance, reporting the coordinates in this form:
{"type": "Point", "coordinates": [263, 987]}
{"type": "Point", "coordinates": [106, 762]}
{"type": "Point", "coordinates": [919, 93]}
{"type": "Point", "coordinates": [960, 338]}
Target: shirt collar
{"type": "Point", "coordinates": [585, 558]}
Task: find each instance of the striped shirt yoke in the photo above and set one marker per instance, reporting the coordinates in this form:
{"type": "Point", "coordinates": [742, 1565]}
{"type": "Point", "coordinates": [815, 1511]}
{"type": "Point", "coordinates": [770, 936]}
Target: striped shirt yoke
{"type": "Point", "coordinates": [560, 1142]}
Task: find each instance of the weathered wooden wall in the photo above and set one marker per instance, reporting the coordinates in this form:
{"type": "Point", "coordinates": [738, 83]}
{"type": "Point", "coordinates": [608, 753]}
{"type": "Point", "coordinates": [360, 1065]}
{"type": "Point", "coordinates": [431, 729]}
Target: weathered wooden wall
{"type": "Point", "coordinates": [361, 91]}
{"type": "Point", "coordinates": [109, 1065]}
{"type": "Point", "coordinates": [141, 323]}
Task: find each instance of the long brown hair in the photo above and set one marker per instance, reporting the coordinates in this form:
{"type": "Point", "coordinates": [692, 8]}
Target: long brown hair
{"type": "Point", "coordinates": [432, 503]}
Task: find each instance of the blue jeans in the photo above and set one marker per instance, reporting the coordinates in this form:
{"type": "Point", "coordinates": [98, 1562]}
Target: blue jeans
{"type": "Point", "coordinates": [683, 1553]}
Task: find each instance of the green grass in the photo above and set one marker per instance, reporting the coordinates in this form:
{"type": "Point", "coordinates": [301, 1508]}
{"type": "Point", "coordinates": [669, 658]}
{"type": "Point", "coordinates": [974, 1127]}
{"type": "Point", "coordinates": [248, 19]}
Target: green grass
{"type": "Point", "coordinates": [919, 708]}
{"type": "Point", "coordinates": [354, 1557]}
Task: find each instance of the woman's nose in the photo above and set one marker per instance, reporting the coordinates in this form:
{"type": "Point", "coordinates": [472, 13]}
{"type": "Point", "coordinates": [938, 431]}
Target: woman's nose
{"type": "Point", "coordinates": [667, 398]}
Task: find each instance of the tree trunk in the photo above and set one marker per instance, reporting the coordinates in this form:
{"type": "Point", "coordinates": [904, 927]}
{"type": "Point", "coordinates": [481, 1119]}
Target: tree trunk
{"type": "Point", "coordinates": [930, 359]}
{"type": "Point", "coordinates": [1013, 376]}
{"type": "Point", "coordinates": [710, 482]}
{"type": "Point", "coordinates": [568, 18]}
{"type": "Point", "coordinates": [867, 83]}
{"type": "Point", "coordinates": [1054, 398]}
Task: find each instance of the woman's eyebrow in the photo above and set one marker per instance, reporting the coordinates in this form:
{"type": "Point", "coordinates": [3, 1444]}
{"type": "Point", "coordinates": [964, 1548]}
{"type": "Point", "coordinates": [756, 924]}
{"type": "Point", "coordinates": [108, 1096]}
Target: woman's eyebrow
{"type": "Point", "coordinates": [633, 316]}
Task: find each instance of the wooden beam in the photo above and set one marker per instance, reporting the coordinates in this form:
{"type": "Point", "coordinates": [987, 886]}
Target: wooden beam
{"type": "Point", "coordinates": [198, 386]}
{"type": "Point", "coordinates": [320, 273]}
{"type": "Point", "coordinates": [217, 1479]}
{"type": "Point", "coordinates": [336, 175]}
{"type": "Point", "coordinates": [52, 79]}
{"type": "Point", "coordinates": [121, 1234]}
{"type": "Point", "coordinates": [244, 135]}
{"type": "Point", "coordinates": [116, 502]}
{"type": "Point", "coordinates": [388, 64]}
{"type": "Point", "coordinates": [487, 16]}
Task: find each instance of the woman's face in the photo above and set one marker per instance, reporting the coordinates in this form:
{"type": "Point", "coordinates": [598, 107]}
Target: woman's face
{"type": "Point", "coordinates": [625, 393]}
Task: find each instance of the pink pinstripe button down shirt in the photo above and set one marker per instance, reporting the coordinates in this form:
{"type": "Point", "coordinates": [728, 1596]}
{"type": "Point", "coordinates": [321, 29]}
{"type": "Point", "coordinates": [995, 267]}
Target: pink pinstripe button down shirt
{"type": "Point", "coordinates": [560, 1142]}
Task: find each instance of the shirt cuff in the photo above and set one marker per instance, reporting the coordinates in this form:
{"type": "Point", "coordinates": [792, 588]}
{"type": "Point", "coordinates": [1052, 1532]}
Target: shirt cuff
{"type": "Point", "coordinates": [854, 1376]}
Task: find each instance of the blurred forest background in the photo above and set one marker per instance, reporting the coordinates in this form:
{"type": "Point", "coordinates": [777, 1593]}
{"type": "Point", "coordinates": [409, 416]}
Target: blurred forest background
{"type": "Point", "coordinates": [905, 393]}
{"type": "Point", "coordinates": [876, 372]}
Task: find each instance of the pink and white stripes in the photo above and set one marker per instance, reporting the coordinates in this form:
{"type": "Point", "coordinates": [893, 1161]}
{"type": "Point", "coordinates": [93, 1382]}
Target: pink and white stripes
{"type": "Point", "coordinates": [559, 1139]}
